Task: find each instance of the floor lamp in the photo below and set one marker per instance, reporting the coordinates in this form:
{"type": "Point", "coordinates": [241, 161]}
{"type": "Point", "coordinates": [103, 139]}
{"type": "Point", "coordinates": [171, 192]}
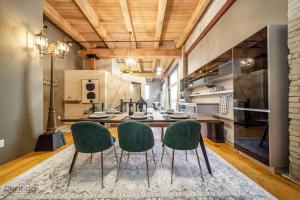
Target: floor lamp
{"type": "Point", "coordinates": [52, 138]}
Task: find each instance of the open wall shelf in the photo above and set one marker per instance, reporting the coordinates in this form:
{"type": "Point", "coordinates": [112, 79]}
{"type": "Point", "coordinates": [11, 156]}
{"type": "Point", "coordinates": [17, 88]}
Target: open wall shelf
{"type": "Point", "coordinates": [212, 93]}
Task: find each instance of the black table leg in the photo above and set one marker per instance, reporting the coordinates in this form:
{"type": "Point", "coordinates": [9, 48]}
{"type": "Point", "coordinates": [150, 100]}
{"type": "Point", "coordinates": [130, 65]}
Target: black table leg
{"type": "Point", "coordinates": [205, 154]}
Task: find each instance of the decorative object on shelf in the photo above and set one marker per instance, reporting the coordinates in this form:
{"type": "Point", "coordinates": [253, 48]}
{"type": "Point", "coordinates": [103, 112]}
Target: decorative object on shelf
{"type": "Point", "coordinates": [48, 83]}
{"type": "Point", "coordinates": [70, 101]}
{"type": "Point", "coordinates": [216, 89]}
{"type": "Point", "coordinates": [224, 105]}
{"type": "Point", "coordinates": [247, 62]}
{"type": "Point", "coordinates": [90, 91]}
{"type": "Point", "coordinates": [52, 137]}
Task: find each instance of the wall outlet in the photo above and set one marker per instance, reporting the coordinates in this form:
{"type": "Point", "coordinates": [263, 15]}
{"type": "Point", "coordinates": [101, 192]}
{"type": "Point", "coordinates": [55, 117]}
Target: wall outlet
{"type": "Point", "coordinates": [1, 143]}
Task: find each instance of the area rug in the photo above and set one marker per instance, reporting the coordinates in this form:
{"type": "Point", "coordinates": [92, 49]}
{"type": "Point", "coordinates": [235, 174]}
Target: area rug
{"type": "Point", "coordinates": [49, 179]}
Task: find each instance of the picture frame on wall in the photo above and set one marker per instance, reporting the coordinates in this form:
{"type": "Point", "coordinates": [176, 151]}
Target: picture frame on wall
{"type": "Point", "coordinates": [90, 91]}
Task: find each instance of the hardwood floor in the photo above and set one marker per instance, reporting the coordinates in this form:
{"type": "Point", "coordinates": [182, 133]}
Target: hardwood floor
{"type": "Point", "coordinates": [277, 185]}
{"type": "Point", "coordinates": [18, 166]}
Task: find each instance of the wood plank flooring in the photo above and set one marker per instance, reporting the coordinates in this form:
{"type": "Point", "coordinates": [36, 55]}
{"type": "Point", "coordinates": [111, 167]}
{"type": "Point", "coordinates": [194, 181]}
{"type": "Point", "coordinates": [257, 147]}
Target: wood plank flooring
{"type": "Point", "coordinates": [277, 185]}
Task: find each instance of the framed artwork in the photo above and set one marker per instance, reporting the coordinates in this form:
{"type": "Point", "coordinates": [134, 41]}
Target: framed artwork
{"type": "Point", "coordinates": [90, 91]}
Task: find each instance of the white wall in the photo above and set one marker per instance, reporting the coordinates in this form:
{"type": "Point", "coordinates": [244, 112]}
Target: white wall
{"type": "Point", "coordinates": [244, 18]}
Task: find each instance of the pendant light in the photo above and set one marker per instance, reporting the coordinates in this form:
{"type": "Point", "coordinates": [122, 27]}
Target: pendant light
{"type": "Point", "coordinates": [129, 61]}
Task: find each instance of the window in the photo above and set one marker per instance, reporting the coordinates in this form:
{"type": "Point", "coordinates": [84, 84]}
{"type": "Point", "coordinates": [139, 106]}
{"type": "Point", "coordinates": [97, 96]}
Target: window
{"type": "Point", "coordinates": [147, 92]}
{"type": "Point", "coordinates": [163, 100]}
{"type": "Point", "coordinates": [173, 79]}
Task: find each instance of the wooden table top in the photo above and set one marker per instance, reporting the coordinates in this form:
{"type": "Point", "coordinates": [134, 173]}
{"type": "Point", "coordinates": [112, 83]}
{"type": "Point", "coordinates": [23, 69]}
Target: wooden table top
{"type": "Point", "coordinates": [155, 117]}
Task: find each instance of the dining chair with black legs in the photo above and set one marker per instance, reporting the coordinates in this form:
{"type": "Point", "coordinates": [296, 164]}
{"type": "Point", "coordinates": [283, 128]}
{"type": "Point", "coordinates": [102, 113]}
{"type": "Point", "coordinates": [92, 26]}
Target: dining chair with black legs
{"type": "Point", "coordinates": [91, 137]}
{"type": "Point", "coordinates": [182, 135]}
{"type": "Point", "coordinates": [135, 137]}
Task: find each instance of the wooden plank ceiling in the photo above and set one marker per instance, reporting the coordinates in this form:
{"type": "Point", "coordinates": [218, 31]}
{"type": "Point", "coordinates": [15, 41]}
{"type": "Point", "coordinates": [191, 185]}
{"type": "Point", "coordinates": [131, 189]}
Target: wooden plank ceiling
{"type": "Point", "coordinates": [108, 21]}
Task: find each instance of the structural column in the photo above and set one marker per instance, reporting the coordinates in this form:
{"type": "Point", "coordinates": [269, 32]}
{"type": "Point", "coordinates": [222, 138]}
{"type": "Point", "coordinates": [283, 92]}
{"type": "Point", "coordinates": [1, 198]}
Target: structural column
{"type": "Point", "coordinates": [294, 90]}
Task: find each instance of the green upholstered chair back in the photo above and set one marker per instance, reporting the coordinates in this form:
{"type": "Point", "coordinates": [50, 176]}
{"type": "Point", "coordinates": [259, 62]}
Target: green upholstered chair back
{"type": "Point", "coordinates": [91, 137]}
{"type": "Point", "coordinates": [135, 137]}
{"type": "Point", "coordinates": [183, 135]}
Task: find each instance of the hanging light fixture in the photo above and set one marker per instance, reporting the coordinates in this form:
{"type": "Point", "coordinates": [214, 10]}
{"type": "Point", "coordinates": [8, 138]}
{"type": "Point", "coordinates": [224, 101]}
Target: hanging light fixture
{"type": "Point", "coordinates": [247, 62]}
{"type": "Point", "coordinates": [129, 61]}
{"type": "Point", "coordinates": [41, 42]}
{"type": "Point", "coordinates": [158, 71]}
{"type": "Point", "coordinates": [62, 48]}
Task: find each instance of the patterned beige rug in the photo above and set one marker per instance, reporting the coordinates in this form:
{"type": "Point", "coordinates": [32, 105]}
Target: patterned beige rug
{"type": "Point", "coordinates": [49, 179]}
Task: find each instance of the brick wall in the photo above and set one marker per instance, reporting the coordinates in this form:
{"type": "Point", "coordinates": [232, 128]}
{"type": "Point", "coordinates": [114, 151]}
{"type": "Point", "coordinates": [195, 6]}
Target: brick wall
{"type": "Point", "coordinates": [294, 91]}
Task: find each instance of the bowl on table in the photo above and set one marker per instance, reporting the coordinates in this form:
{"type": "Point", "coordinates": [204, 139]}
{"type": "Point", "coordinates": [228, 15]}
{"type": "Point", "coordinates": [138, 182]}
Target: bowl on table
{"type": "Point", "coordinates": [112, 111]}
{"type": "Point", "coordinates": [179, 115]}
{"type": "Point", "coordinates": [98, 115]}
{"type": "Point", "coordinates": [170, 111]}
{"type": "Point", "coordinates": [138, 115]}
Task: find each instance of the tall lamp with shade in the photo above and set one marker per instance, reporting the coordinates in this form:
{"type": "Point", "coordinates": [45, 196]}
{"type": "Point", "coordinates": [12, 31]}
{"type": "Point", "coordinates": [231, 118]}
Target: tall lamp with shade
{"type": "Point", "coordinates": [52, 138]}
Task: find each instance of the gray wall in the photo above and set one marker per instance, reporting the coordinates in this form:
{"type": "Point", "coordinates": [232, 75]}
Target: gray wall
{"type": "Point", "coordinates": [242, 20]}
{"type": "Point", "coordinates": [21, 74]}
{"type": "Point", "coordinates": [70, 61]}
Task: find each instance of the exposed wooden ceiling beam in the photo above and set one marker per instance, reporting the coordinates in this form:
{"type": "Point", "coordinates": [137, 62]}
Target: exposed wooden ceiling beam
{"type": "Point", "coordinates": [56, 18]}
{"type": "Point", "coordinates": [162, 4]}
{"type": "Point", "coordinates": [92, 17]}
{"type": "Point", "coordinates": [168, 65]}
{"type": "Point", "coordinates": [127, 18]}
{"type": "Point", "coordinates": [146, 75]}
{"type": "Point", "coordinates": [153, 67]}
{"type": "Point", "coordinates": [136, 53]}
{"type": "Point", "coordinates": [199, 11]}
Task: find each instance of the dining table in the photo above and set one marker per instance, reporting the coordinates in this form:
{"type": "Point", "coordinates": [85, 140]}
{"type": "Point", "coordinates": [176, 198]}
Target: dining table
{"type": "Point", "coordinates": [153, 119]}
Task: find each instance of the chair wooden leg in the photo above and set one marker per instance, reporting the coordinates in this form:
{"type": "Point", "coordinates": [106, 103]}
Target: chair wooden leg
{"type": "Point", "coordinates": [119, 166]}
{"type": "Point", "coordinates": [172, 166]}
{"type": "Point", "coordinates": [116, 154]}
{"type": "Point", "coordinates": [162, 134]}
{"type": "Point", "coordinates": [162, 155]}
{"type": "Point", "coordinates": [186, 156]}
{"type": "Point", "coordinates": [91, 158]}
{"type": "Point", "coordinates": [147, 168]}
{"type": "Point", "coordinates": [73, 161]}
{"type": "Point", "coordinates": [128, 157]}
{"type": "Point", "coordinates": [153, 157]}
{"type": "Point", "coordinates": [102, 170]}
{"type": "Point", "coordinates": [199, 164]}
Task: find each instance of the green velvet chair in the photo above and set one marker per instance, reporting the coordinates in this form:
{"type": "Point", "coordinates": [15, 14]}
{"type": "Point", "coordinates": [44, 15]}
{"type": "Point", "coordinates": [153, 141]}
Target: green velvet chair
{"type": "Point", "coordinates": [135, 137]}
{"type": "Point", "coordinates": [182, 135]}
{"type": "Point", "coordinates": [91, 137]}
